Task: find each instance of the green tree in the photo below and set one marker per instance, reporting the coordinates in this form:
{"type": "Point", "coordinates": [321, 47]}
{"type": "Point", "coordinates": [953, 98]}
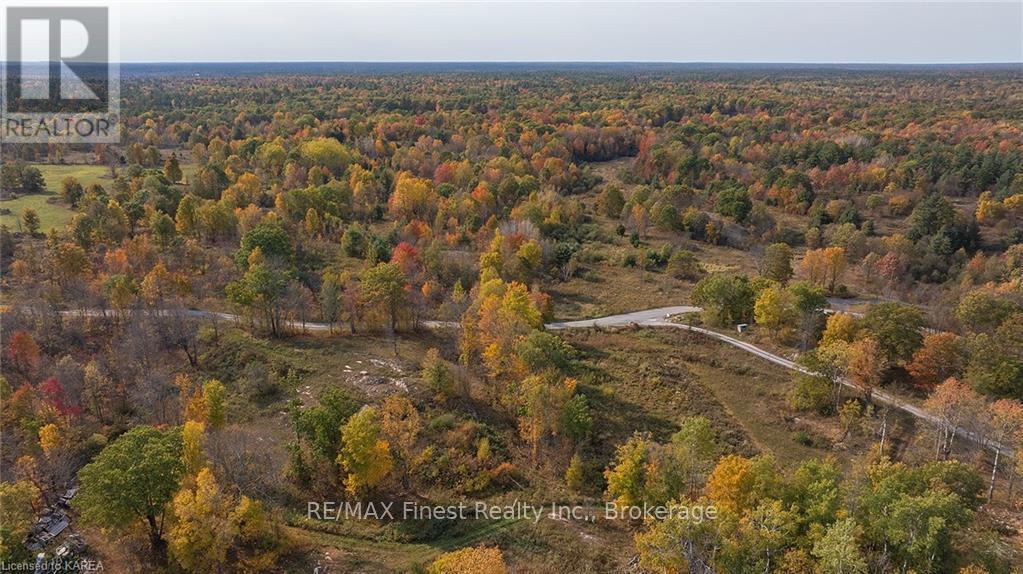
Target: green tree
{"type": "Point", "coordinates": [809, 305]}
{"type": "Point", "coordinates": [981, 311]}
{"type": "Point", "coordinates": [353, 241]}
{"type": "Point", "coordinates": [163, 228]}
{"type": "Point", "coordinates": [897, 328]}
{"type": "Point", "coordinates": [436, 372]}
{"type": "Point", "coordinates": [683, 265]}
{"type": "Point", "coordinates": [17, 499]}
{"type": "Point", "coordinates": [930, 215]}
{"type": "Point", "coordinates": [839, 551]}
{"type": "Point", "coordinates": [172, 169]}
{"type": "Point", "coordinates": [758, 539]}
{"type": "Point", "coordinates": [319, 424]}
{"type": "Point", "coordinates": [383, 286]}
{"type": "Point", "coordinates": [271, 239]}
{"type": "Point", "coordinates": [726, 299]}
{"type": "Point", "coordinates": [575, 420]}
{"type": "Point", "coordinates": [996, 364]}
{"type": "Point", "coordinates": [32, 180]}
{"type": "Point", "coordinates": [626, 478]}
{"type": "Point", "coordinates": [71, 191]}
{"type": "Point", "coordinates": [543, 352]}
{"type": "Point", "coordinates": [30, 219]}
{"type": "Point", "coordinates": [734, 202]}
{"type": "Point", "coordinates": [612, 202]}
{"type": "Point", "coordinates": [777, 264]}
{"type": "Point", "coordinates": [694, 449]}
{"type": "Point", "coordinates": [811, 393]}
{"type": "Point", "coordinates": [262, 288]}
{"type": "Point", "coordinates": [815, 494]}
{"type": "Point", "coordinates": [916, 511]}
{"type": "Point", "coordinates": [132, 479]}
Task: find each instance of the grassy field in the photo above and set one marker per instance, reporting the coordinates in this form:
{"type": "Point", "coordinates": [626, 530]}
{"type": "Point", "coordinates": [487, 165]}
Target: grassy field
{"type": "Point", "coordinates": [605, 285]}
{"type": "Point", "coordinates": [649, 380]}
{"type": "Point", "coordinates": [366, 364]}
{"type": "Point", "coordinates": [53, 212]}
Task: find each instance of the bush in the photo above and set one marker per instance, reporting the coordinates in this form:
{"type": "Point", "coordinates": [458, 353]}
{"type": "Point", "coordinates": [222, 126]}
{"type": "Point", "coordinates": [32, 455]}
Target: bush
{"type": "Point", "coordinates": [656, 259]}
{"type": "Point", "coordinates": [437, 374]}
{"type": "Point", "coordinates": [353, 242]}
{"type": "Point", "coordinates": [811, 393]}
{"type": "Point", "coordinates": [684, 265]}
{"type": "Point", "coordinates": [811, 439]}
{"type": "Point", "coordinates": [445, 421]}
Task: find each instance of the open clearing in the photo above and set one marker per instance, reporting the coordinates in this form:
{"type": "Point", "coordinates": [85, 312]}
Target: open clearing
{"type": "Point", "coordinates": [52, 211]}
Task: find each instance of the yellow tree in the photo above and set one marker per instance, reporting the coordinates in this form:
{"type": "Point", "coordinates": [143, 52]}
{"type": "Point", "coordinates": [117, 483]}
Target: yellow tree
{"type": "Point", "coordinates": [840, 327]}
{"type": "Point", "coordinates": [627, 476]}
{"type": "Point", "coordinates": [775, 309]}
{"type": "Point", "coordinates": [835, 266]}
{"type": "Point", "coordinates": [413, 198]}
{"type": "Point", "coordinates": [824, 267]}
{"type": "Point", "coordinates": [400, 424]}
{"type": "Point", "coordinates": [738, 484]}
{"type": "Point", "coordinates": [49, 438]}
{"type": "Point", "coordinates": [501, 314]}
{"type": "Point", "coordinates": [192, 455]}
{"type": "Point", "coordinates": [202, 533]}
{"type": "Point", "coordinates": [256, 542]}
{"type": "Point", "coordinates": [365, 456]}
{"type": "Point", "coordinates": [156, 285]}
{"type": "Point", "coordinates": [242, 192]}
{"type": "Point", "coordinates": [213, 401]}
{"type": "Point", "coordinates": [728, 483]}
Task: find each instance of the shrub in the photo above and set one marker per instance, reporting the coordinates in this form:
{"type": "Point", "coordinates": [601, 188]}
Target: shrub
{"type": "Point", "coordinates": [811, 393]}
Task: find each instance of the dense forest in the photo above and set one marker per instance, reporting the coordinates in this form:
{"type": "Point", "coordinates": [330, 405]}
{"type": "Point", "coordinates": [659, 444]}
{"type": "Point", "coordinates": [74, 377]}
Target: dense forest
{"type": "Point", "coordinates": [285, 286]}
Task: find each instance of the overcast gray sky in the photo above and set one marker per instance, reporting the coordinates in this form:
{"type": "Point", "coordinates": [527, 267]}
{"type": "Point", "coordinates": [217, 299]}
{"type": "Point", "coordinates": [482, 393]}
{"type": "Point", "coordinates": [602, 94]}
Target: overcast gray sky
{"type": "Point", "coordinates": [841, 32]}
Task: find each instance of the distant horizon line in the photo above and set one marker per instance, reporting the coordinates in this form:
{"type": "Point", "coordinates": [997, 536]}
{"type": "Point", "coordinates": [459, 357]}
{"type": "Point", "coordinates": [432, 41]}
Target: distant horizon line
{"type": "Point", "coordinates": [548, 62]}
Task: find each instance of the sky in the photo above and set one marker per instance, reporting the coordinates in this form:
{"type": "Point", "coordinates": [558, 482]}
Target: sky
{"type": "Point", "coordinates": [761, 32]}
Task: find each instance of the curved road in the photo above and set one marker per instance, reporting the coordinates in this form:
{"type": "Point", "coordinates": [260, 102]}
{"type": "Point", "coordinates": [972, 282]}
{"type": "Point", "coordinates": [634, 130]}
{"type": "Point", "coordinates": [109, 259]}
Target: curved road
{"type": "Point", "coordinates": [659, 317]}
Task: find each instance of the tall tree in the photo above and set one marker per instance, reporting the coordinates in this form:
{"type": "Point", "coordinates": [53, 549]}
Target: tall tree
{"type": "Point", "coordinates": [777, 262]}
{"type": "Point", "coordinates": [383, 287]}
{"type": "Point", "coordinates": [365, 456]}
{"type": "Point", "coordinates": [839, 551]}
{"type": "Point", "coordinates": [897, 327]}
{"type": "Point", "coordinates": [132, 479]}
{"type": "Point", "coordinates": [202, 532]}
{"type": "Point", "coordinates": [941, 356]}
{"type": "Point", "coordinates": [996, 364]}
